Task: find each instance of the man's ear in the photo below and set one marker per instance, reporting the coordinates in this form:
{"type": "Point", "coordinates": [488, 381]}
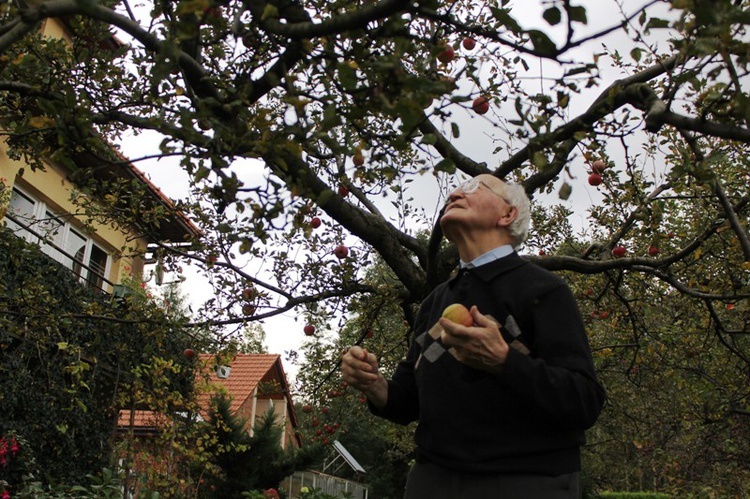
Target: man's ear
{"type": "Point", "coordinates": [507, 217]}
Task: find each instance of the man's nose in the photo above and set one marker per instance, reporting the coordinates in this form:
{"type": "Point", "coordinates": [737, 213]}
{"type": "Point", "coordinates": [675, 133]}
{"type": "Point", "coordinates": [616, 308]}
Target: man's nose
{"type": "Point", "coordinates": [457, 193]}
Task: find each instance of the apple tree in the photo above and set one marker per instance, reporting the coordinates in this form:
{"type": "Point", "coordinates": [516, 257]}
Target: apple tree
{"type": "Point", "coordinates": [319, 135]}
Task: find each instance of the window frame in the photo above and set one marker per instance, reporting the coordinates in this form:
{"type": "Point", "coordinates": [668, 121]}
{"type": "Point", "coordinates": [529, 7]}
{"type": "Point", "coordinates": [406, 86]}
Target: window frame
{"type": "Point", "coordinates": [57, 245]}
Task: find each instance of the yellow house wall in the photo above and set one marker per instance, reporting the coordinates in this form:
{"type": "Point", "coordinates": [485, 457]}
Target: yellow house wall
{"type": "Point", "coordinates": [280, 416]}
{"type": "Point", "coordinates": [52, 187]}
{"type": "Point", "coordinates": [53, 28]}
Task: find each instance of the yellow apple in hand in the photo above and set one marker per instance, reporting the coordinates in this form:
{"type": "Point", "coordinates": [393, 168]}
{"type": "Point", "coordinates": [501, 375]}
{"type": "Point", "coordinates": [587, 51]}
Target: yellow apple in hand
{"type": "Point", "coordinates": [459, 314]}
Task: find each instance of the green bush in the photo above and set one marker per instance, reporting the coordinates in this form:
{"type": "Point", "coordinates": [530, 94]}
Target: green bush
{"type": "Point", "coordinates": [634, 495]}
{"type": "Point", "coordinates": [67, 356]}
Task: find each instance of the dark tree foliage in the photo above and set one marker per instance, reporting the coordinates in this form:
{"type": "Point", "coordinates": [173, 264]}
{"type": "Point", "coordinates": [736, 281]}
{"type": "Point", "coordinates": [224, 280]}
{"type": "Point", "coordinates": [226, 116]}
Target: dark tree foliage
{"type": "Point", "coordinates": [249, 462]}
{"type": "Point", "coordinates": [66, 359]}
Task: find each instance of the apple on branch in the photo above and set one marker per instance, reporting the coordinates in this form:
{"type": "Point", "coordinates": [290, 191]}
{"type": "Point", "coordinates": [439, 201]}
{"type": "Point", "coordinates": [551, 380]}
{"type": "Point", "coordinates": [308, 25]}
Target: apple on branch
{"type": "Point", "coordinates": [598, 166]}
{"type": "Point", "coordinates": [358, 159]}
{"type": "Point", "coordinates": [481, 104]}
{"type": "Point", "coordinates": [309, 330]}
{"type": "Point", "coordinates": [595, 179]}
{"type": "Point", "coordinates": [341, 251]}
{"type": "Point", "coordinates": [469, 43]}
{"type": "Point", "coordinates": [619, 251]}
{"type": "Point", "coordinates": [447, 54]}
{"type": "Point", "coordinates": [248, 309]}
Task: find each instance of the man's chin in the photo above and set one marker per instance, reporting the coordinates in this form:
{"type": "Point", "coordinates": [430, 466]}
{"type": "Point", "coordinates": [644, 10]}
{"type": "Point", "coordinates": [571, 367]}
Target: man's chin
{"type": "Point", "coordinates": [447, 224]}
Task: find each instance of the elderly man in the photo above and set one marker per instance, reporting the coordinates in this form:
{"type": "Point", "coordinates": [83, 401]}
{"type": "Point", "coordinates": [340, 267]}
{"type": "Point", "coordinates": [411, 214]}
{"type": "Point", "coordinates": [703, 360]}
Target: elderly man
{"type": "Point", "coordinates": [502, 404]}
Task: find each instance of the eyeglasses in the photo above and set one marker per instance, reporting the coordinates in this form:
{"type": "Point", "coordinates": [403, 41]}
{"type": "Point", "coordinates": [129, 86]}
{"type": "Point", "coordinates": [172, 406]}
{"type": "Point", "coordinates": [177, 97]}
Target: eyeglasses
{"type": "Point", "coordinates": [471, 186]}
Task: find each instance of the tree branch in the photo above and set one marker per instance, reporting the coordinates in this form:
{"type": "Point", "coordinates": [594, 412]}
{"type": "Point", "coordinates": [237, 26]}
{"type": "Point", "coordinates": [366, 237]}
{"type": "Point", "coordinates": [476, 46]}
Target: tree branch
{"type": "Point", "coordinates": [358, 19]}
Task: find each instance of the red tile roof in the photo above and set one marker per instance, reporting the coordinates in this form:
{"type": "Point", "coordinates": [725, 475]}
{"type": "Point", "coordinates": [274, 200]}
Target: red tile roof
{"type": "Point", "coordinates": [247, 370]}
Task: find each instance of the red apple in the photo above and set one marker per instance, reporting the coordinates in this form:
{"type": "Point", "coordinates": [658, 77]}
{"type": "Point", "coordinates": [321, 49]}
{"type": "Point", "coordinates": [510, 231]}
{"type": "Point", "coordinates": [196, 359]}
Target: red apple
{"type": "Point", "coordinates": [481, 104]}
{"type": "Point", "coordinates": [315, 222]}
{"type": "Point", "coordinates": [595, 179]}
{"type": "Point", "coordinates": [248, 309]}
{"type": "Point", "coordinates": [469, 43]}
{"type": "Point", "coordinates": [248, 294]}
{"type": "Point", "coordinates": [307, 408]}
{"type": "Point", "coordinates": [653, 250]}
{"type": "Point", "coordinates": [341, 251]}
{"type": "Point", "coordinates": [189, 353]}
{"type": "Point", "coordinates": [459, 314]}
{"type": "Point", "coordinates": [309, 330]}
{"type": "Point", "coordinates": [446, 55]}
{"type": "Point", "coordinates": [358, 159]}
{"type": "Point", "coordinates": [598, 166]}
{"type": "Point", "coordinates": [619, 251]}
{"type": "Point", "coordinates": [343, 190]}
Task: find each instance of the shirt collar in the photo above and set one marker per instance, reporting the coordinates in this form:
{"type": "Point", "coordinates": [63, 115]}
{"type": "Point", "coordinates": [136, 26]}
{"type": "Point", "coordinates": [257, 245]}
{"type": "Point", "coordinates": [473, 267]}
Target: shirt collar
{"type": "Point", "coordinates": [490, 256]}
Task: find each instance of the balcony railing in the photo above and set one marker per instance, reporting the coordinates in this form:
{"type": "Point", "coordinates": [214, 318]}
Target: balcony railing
{"type": "Point", "coordinates": [94, 279]}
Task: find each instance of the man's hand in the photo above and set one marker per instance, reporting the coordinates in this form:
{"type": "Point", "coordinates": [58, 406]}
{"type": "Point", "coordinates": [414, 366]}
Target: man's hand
{"type": "Point", "coordinates": [480, 346]}
{"type": "Point", "coordinates": [359, 369]}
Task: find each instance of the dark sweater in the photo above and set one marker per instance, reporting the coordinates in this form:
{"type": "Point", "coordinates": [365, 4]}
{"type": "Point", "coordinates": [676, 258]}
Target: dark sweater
{"type": "Point", "coordinates": [528, 419]}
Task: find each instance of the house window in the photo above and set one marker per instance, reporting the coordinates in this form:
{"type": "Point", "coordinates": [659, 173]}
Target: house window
{"type": "Point", "coordinates": [58, 238]}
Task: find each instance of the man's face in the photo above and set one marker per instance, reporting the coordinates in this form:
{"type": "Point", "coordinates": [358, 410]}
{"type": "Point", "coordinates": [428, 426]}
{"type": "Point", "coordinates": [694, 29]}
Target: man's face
{"type": "Point", "coordinates": [476, 205]}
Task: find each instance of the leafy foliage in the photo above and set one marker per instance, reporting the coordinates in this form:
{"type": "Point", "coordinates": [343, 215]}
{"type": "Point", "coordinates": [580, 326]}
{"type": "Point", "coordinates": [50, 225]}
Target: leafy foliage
{"type": "Point", "coordinates": [246, 462]}
{"type": "Point", "coordinates": [69, 358]}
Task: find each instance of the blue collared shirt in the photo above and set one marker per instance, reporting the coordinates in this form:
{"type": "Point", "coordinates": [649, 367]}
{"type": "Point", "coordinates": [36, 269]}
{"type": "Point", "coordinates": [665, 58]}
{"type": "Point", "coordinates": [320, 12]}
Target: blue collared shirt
{"type": "Point", "coordinates": [490, 256]}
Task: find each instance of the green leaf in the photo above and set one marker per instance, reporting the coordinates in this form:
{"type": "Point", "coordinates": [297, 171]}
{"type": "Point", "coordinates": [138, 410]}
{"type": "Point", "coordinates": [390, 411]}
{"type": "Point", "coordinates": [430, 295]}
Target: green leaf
{"type": "Point", "coordinates": [636, 54]}
{"type": "Point", "coordinates": [577, 14]}
{"type": "Point", "coordinates": [429, 139]}
{"type": "Point", "coordinates": [503, 17]}
{"type": "Point", "coordinates": [657, 23]}
{"type": "Point", "coordinates": [270, 11]}
{"type": "Point", "coordinates": [565, 190]}
{"type": "Point", "coordinates": [331, 117]}
{"type": "Point", "coordinates": [542, 43]}
{"type": "Point", "coordinates": [447, 165]}
{"type": "Point", "coordinates": [553, 16]}
{"type": "Point", "coordinates": [347, 77]}
{"type": "Point", "coordinates": [539, 159]}
{"type": "Point", "coordinates": [325, 197]}
{"type": "Point", "coordinates": [455, 130]}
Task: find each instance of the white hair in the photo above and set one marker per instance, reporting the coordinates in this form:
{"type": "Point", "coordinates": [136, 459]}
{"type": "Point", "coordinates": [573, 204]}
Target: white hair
{"type": "Point", "coordinates": [516, 196]}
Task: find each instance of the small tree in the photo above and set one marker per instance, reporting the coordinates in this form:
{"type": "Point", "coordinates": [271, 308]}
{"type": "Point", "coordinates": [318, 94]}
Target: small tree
{"type": "Point", "coordinates": [246, 462]}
